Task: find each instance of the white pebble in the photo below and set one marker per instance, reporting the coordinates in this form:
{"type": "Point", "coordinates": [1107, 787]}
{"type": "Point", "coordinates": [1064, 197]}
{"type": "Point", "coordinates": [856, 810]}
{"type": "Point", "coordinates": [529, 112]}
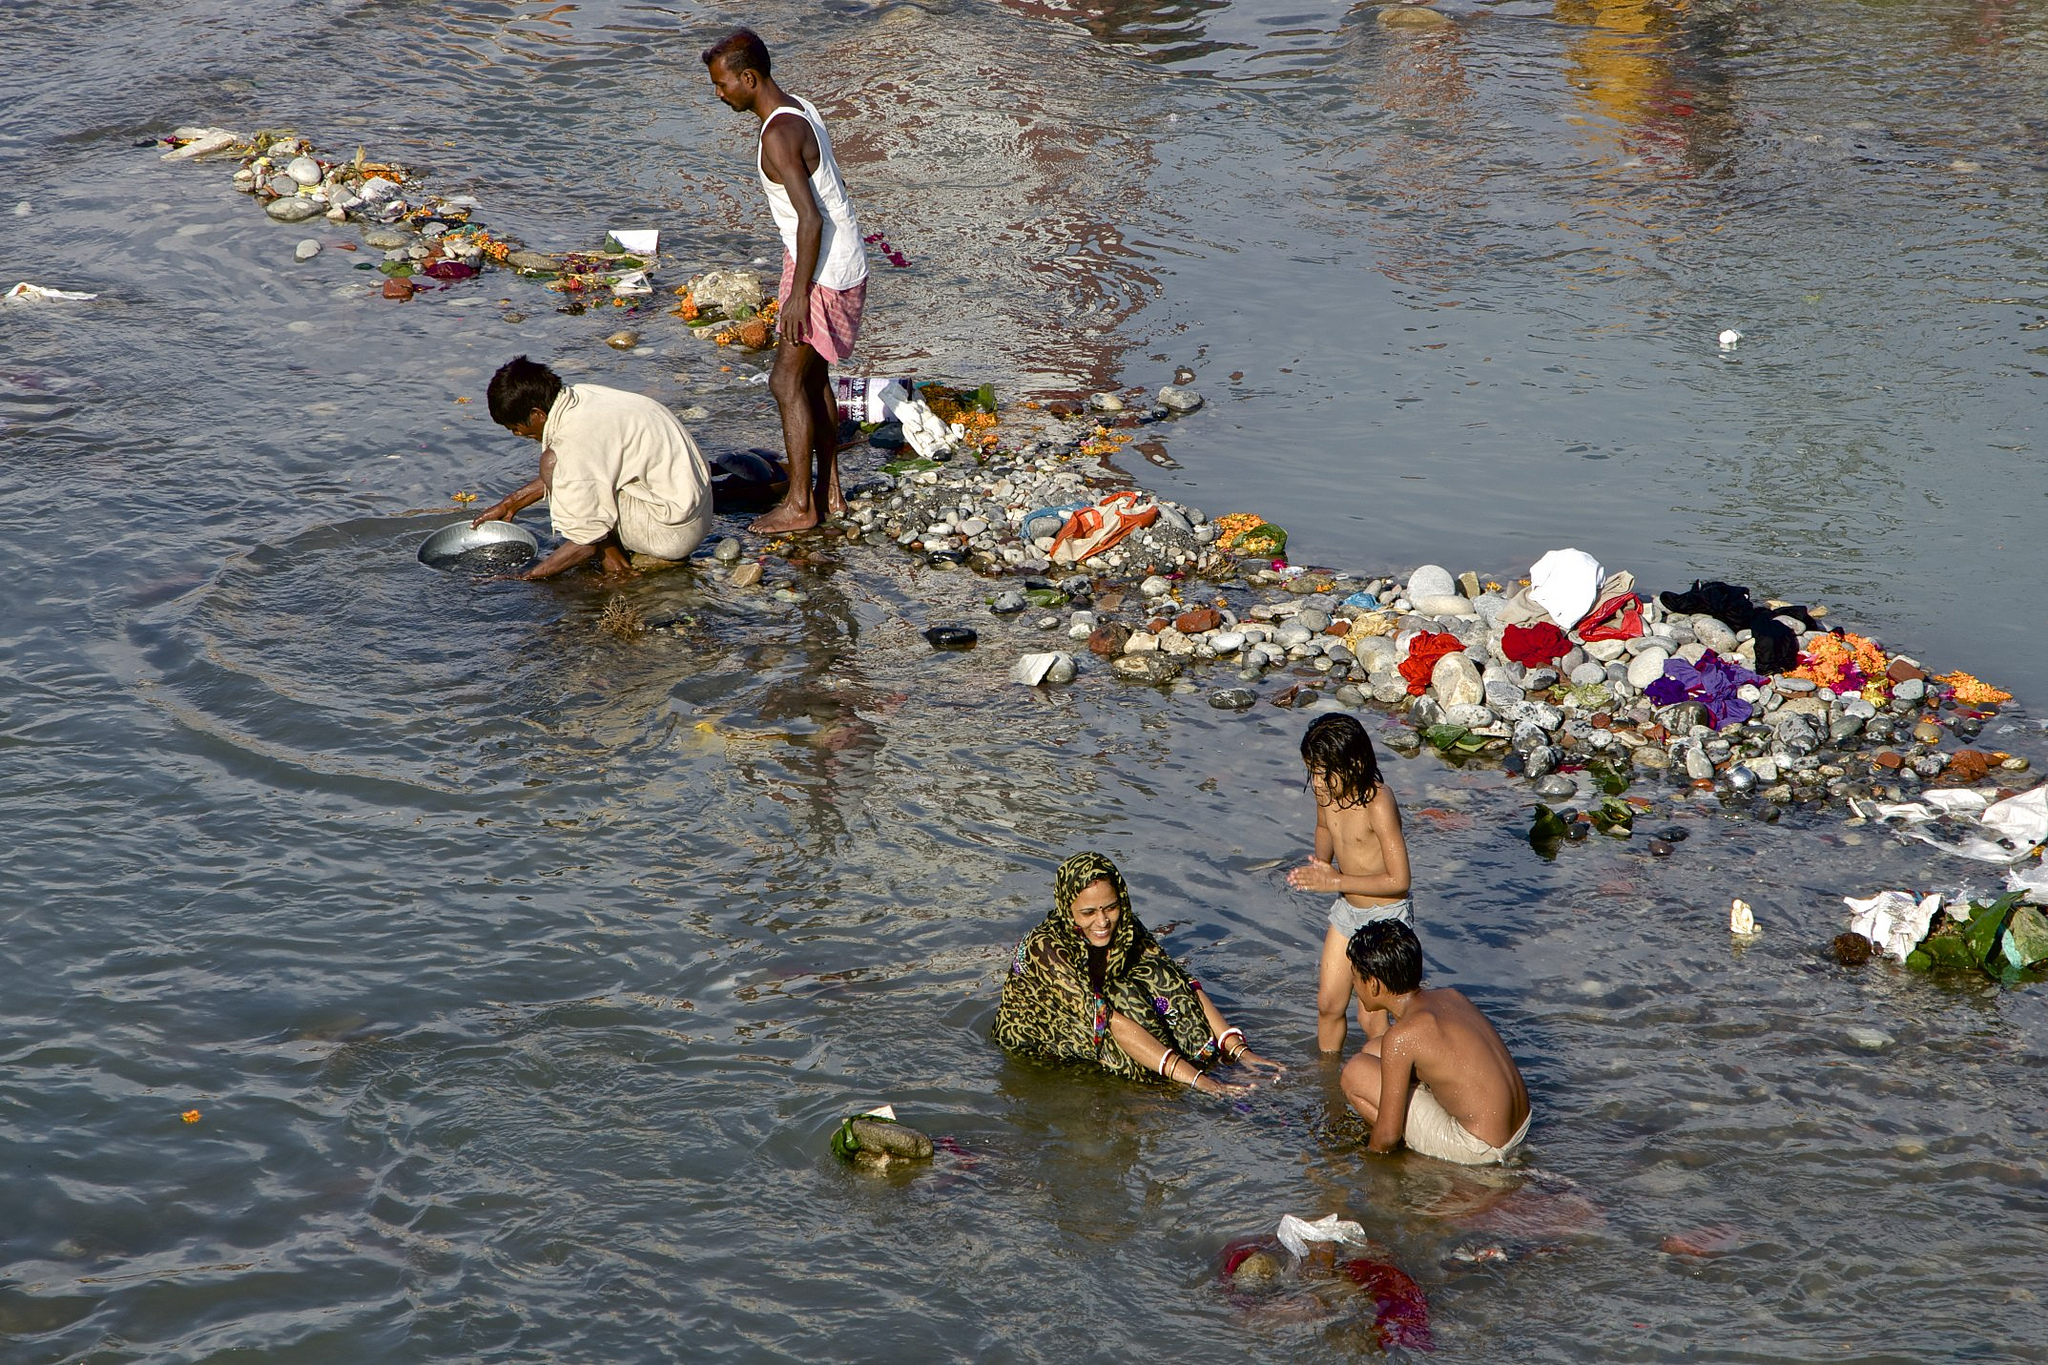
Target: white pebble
{"type": "Point", "coordinates": [1730, 338]}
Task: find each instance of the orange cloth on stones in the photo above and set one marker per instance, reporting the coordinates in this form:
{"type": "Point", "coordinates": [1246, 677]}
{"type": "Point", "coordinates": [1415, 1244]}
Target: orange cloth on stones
{"type": "Point", "coordinates": [1427, 648]}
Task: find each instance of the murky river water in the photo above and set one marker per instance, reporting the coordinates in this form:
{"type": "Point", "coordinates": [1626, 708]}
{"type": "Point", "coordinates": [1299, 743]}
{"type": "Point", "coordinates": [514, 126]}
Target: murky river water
{"type": "Point", "coordinates": [519, 973]}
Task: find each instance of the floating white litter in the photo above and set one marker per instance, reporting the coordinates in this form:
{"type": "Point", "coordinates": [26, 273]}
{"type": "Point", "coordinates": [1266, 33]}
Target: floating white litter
{"type": "Point", "coordinates": [1729, 338]}
{"type": "Point", "coordinates": [1741, 921]}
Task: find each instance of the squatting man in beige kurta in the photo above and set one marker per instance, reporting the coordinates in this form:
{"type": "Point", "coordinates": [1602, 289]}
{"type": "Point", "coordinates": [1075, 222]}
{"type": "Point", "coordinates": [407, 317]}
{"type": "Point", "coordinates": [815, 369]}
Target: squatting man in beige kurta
{"type": "Point", "coordinates": [620, 473]}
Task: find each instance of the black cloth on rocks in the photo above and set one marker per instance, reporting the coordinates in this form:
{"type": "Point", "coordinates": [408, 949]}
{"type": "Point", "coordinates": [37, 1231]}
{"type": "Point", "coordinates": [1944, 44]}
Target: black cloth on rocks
{"type": "Point", "coordinates": [1777, 644]}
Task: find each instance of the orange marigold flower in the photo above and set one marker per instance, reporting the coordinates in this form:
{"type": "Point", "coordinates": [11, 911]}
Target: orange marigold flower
{"type": "Point", "coordinates": [190, 1116]}
{"type": "Point", "coordinates": [1970, 691]}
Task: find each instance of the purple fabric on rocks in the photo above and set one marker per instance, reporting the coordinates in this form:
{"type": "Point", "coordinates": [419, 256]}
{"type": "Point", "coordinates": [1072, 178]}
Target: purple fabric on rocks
{"type": "Point", "coordinates": [1712, 682]}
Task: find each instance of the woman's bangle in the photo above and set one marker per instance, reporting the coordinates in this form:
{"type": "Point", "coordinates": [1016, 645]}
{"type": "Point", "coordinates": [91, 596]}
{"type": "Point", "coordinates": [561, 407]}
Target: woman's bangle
{"type": "Point", "coordinates": [1223, 1039]}
{"type": "Point", "coordinates": [1165, 1056]}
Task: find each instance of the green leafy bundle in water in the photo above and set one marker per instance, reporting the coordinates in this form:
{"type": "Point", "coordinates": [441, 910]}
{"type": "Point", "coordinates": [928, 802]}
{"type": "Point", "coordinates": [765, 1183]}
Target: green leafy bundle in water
{"type": "Point", "coordinates": [1617, 818]}
{"type": "Point", "coordinates": [2001, 938]}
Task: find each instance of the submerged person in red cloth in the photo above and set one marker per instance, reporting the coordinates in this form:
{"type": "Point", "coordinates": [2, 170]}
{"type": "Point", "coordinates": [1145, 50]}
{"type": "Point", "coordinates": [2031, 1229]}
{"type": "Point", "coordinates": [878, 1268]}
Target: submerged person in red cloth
{"type": "Point", "coordinates": [824, 273]}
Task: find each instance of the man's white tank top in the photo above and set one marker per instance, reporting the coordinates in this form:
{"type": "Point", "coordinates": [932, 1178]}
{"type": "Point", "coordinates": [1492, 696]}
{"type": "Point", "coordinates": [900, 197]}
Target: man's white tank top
{"type": "Point", "coordinates": [842, 256]}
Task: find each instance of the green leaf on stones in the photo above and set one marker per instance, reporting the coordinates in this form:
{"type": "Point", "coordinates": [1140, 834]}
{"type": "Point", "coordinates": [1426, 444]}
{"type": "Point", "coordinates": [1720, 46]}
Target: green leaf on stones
{"type": "Point", "coordinates": [1454, 739]}
{"type": "Point", "coordinates": [397, 270]}
{"type": "Point", "coordinates": [1546, 832]}
{"type": "Point", "coordinates": [1947, 948]}
{"type": "Point", "coordinates": [985, 398]}
{"type": "Point", "coordinates": [1919, 961]}
{"type": "Point", "coordinates": [909, 466]}
{"type": "Point", "coordinates": [1614, 817]}
{"type": "Point", "coordinates": [2026, 938]}
{"type": "Point", "coordinates": [1985, 924]}
{"type": "Point", "coordinates": [1045, 597]}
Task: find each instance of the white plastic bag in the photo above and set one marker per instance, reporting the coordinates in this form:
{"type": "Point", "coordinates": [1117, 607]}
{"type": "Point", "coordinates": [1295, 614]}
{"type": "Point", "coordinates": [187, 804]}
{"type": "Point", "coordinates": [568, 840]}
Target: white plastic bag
{"type": "Point", "coordinates": [1893, 920]}
{"type": "Point", "coordinates": [1565, 584]}
{"type": "Point", "coordinates": [1296, 1233]}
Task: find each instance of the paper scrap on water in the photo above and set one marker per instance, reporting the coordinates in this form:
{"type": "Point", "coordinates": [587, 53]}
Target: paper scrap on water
{"type": "Point", "coordinates": [638, 241]}
{"type": "Point", "coordinates": [633, 282]}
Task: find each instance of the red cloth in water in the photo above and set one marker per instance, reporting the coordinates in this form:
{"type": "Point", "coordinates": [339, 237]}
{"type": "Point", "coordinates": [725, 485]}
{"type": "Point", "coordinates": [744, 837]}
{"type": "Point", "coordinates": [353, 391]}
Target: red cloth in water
{"type": "Point", "coordinates": [1422, 657]}
{"type": "Point", "coordinates": [1402, 1312]}
{"type": "Point", "coordinates": [1534, 646]}
{"type": "Point", "coordinates": [1618, 618]}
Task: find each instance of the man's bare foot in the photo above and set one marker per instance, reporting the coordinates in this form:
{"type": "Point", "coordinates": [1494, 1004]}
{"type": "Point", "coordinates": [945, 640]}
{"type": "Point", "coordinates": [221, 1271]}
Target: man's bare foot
{"type": "Point", "coordinates": [833, 500]}
{"type": "Point", "coordinates": [784, 516]}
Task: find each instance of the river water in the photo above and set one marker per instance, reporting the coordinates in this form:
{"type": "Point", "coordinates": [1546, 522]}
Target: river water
{"type": "Point", "coordinates": [519, 973]}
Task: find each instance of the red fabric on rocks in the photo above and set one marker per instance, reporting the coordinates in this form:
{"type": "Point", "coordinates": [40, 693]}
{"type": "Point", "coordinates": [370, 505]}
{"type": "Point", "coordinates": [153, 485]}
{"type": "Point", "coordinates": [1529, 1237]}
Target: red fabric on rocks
{"type": "Point", "coordinates": [1422, 657]}
{"type": "Point", "coordinates": [1534, 646]}
{"type": "Point", "coordinates": [1618, 618]}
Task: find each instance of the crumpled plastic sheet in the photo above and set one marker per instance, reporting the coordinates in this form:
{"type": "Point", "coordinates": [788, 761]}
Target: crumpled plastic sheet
{"type": "Point", "coordinates": [2018, 823]}
{"type": "Point", "coordinates": [1895, 921]}
{"type": "Point", "coordinates": [1296, 1233]}
{"type": "Point", "coordinates": [2032, 880]}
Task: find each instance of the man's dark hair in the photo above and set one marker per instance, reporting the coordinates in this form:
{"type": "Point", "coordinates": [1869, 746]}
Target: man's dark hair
{"type": "Point", "coordinates": [519, 387]}
{"type": "Point", "coordinates": [1387, 951]}
{"type": "Point", "coordinates": [1339, 748]}
{"type": "Point", "coordinates": [740, 50]}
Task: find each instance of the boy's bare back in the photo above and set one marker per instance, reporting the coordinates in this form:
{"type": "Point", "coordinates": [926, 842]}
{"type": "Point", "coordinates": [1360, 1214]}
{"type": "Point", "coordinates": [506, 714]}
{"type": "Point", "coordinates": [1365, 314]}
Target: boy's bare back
{"type": "Point", "coordinates": [1452, 1049]}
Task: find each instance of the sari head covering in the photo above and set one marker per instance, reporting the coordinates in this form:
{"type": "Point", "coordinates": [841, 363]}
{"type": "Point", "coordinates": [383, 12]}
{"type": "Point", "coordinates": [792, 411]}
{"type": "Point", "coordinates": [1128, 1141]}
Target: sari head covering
{"type": "Point", "coordinates": [1050, 1008]}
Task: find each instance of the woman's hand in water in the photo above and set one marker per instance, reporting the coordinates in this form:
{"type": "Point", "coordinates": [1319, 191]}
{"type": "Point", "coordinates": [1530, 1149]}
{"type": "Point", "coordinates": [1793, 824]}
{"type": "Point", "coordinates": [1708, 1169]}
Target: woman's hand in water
{"type": "Point", "coordinates": [1265, 1068]}
{"type": "Point", "coordinates": [1209, 1085]}
{"type": "Point", "coordinates": [1313, 875]}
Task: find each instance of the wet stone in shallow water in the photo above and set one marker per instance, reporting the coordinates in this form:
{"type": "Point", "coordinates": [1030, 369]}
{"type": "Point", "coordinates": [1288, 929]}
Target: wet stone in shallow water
{"type": "Point", "coordinates": [951, 637]}
{"type": "Point", "coordinates": [1232, 699]}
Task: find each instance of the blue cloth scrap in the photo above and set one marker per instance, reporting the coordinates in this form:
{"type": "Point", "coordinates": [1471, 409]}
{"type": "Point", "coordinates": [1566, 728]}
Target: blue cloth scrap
{"type": "Point", "coordinates": [1363, 601]}
{"type": "Point", "coordinates": [1060, 514]}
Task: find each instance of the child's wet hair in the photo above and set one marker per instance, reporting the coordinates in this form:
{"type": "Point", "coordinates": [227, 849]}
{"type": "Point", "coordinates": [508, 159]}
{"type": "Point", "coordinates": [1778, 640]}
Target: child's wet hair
{"type": "Point", "coordinates": [1388, 952]}
{"type": "Point", "coordinates": [1339, 749]}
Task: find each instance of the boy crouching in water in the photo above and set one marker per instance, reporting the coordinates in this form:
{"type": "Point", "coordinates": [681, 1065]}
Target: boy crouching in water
{"type": "Point", "coordinates": [1439, 1078]}
{"type": "Point", "coordinates": [1359, 853]}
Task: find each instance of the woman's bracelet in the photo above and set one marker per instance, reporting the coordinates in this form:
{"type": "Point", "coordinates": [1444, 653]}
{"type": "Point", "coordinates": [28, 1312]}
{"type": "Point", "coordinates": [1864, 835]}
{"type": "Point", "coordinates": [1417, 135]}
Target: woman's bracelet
{"type": "Point", "coordinates": [1165, 1057]}
{"type": "Point", "coordinates": [1223, 1043]}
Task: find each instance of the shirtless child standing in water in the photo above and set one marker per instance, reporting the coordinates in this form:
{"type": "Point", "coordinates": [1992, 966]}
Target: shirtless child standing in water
{"type": "Point", "coordinates": [1439, 1079]}
{"type": "Point", "coordinates": [1359, 854]}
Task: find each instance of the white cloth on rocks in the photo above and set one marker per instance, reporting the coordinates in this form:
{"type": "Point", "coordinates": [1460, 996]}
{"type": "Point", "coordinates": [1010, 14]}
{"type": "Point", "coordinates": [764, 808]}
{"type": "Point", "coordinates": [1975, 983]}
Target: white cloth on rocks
{"type": "Point", "coordinates": [1564, 583]}
{"type": "Point", "coordinates": [1296, 1233]}
{"type": "Point", "coordinates": [1893, 920]}
{"type": "Point", "coordinates": [625, 465]}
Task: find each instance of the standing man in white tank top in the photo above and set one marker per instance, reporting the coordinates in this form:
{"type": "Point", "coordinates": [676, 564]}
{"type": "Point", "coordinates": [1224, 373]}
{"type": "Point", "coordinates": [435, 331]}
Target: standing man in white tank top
{"type": "Point", "coordinates": [824, 273]}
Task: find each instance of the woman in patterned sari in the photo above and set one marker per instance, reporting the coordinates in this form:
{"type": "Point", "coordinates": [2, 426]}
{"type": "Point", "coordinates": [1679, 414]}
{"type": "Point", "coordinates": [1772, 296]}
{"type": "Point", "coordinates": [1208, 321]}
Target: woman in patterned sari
{"type": "Point", "coordinates": [1091, 984]}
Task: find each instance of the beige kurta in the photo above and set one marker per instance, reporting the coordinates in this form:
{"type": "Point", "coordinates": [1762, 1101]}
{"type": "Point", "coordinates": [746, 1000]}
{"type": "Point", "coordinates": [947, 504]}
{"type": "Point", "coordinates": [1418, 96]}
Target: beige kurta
{"type": "Point", "coordinates": [624, 465]}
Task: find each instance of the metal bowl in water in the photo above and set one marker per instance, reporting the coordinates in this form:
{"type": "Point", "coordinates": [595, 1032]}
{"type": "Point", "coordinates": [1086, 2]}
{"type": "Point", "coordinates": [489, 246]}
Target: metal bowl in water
{"type": "Point", "coordinates": [494, 547]}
